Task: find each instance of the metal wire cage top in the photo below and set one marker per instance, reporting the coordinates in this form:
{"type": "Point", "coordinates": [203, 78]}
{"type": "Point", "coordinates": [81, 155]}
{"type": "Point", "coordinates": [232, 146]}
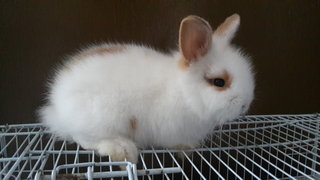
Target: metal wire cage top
{"type": "Point", "coordinates": [252, 147]}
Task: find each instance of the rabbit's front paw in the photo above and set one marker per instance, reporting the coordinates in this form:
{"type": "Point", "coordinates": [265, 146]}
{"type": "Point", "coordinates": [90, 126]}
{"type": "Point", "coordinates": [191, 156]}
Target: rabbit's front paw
{"type": "Point", "coordinates": [183, 153]}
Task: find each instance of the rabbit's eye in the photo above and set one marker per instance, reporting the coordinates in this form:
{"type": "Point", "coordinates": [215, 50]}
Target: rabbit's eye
{"type": "Point", "coordinates": [219, 82]}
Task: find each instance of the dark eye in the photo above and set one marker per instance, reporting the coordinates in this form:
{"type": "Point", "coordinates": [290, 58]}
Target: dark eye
{"type": "Point", "coordinates": [217, 82]}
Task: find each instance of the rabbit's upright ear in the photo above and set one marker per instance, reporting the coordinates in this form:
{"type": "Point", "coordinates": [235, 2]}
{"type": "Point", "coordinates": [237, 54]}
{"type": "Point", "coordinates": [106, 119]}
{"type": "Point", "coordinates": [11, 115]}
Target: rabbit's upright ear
{"type": "Point", "coordinates": [195, 38]}
{"type": "Point", "coordinates": [228, 28]}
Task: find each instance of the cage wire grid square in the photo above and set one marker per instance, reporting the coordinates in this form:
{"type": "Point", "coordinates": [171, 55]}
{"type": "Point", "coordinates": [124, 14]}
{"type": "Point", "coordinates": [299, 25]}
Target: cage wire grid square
{"type": "Point", "coordinates": [252, 147]}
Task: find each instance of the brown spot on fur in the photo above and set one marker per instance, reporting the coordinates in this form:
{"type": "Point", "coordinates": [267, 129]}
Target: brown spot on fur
{"type": "Point", "coordinates": [226, 77]}
{"type": "Point", "coordinates": [133, 125]}
{"type": "Point", "coordinates": [226, 25]}
{"type": "Point", "coordinates": [100, 51]}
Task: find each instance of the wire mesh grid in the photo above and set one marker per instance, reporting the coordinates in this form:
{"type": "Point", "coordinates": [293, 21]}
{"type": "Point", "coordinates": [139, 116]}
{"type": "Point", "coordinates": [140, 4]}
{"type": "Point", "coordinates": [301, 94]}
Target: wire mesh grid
{"type": "Point", "coordinates": [252, 147]}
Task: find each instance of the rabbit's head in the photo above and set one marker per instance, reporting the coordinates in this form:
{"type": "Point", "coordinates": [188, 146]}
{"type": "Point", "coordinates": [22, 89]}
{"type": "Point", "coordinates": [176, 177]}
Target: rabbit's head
{"type": "Point", "coordinates": [217, 78]}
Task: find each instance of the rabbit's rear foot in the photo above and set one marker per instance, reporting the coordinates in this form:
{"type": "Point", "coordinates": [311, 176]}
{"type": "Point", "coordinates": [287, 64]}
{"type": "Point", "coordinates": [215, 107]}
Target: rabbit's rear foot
{"type": "Point", "coordinates": [119, 149]}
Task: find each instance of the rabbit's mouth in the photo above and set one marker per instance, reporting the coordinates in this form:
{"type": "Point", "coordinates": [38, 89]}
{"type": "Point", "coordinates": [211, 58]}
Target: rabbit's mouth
{"type": "Point", "coordinates": [238, 103]}
{"type": "Point", "coordinates": [244, 109]}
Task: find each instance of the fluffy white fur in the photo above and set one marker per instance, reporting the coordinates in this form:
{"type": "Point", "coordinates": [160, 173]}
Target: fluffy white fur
{"type": "Point", "coordinates": [92, 100]}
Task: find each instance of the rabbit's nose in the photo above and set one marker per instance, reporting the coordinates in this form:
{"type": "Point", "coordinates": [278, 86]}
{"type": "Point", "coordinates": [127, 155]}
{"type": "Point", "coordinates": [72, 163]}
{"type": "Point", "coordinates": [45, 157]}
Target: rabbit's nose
{"type": "Point", "coordinates": [234, 98]}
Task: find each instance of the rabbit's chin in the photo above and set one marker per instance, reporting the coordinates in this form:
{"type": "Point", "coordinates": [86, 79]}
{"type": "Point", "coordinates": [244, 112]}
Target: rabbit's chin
{"type": "Point", "coordinates": [228, 111]}
{"type": "Point", "coordinates": [230, 115]}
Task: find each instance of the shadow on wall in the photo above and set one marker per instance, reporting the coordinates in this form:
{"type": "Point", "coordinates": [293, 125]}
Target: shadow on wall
{"type": "Point", "coordinates": [282, 38]}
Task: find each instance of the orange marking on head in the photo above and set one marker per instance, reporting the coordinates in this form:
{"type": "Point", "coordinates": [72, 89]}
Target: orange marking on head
{"type": "Point", "coordinates": [184, 64]}
{"type": "Point", "coordinates": [228, 81]}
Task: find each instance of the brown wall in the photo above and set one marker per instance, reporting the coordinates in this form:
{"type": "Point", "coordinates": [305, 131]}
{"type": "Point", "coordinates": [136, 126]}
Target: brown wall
{"type": "Point", "coordinates": [282, 37]}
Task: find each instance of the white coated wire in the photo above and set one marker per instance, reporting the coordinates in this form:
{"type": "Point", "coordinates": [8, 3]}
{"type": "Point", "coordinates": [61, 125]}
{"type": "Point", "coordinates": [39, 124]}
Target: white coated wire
{"type": "Point", "coordinates": [251, 147]}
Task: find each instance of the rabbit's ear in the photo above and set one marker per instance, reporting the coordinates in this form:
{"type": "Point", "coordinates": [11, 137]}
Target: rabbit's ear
{"type": "Point", "coordinates": [228, 28]}
{"type": "Point", "coordinates": [195, 38]}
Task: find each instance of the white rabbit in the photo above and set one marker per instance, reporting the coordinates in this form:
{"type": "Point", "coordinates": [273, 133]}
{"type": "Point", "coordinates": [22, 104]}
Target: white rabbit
{"type": "Point", "coordinates": [114, 98]}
